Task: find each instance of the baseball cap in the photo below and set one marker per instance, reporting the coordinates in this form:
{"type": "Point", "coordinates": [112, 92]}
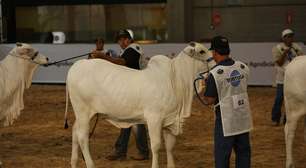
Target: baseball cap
{"type": "Point", "coordinates": [126, 33]}
{"type": "Point", "coordinates": [287, 32]}
{"type": "Point", "coordinates": [131, 33]}
{"type": "Point", "coordinates": [220, 44]}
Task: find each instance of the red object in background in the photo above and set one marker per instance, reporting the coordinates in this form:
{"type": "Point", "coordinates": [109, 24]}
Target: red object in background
{"type": "Point", "coordinates": [216, 19]}
{"type": "Point", "coordinates": [289, 17]}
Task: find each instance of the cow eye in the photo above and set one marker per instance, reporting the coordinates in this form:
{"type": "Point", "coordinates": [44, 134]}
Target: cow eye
{"type": "Point", "coordinates": [35, 55]}
{"type": "Point", "coordinates": [202, 52]}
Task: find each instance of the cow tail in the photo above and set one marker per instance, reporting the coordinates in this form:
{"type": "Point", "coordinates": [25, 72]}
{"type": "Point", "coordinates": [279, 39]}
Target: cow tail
{"type": "Point", "coordinates": [67, 103]}
{"type": "Point", "coordinates": [305, 128]}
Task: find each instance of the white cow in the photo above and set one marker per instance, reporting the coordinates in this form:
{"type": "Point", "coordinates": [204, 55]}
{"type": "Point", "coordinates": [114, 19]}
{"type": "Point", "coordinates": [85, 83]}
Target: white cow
{"type": "Point", "coordinates": [295, 102]}
{"type": "Point", "coordinates": [160, 95]}
{"type": "Point", "coordinates": [16, 71]}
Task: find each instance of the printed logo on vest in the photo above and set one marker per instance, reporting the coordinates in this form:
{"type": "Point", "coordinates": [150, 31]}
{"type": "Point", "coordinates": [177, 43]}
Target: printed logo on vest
{"type": "Point", "coordinates": [235, 78]}
{"type": "Point", "coordinates": [220, 71]}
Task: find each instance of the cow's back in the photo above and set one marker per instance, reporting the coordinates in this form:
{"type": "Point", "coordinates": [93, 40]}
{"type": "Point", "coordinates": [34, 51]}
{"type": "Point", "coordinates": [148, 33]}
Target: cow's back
{"type": "Point", "coordinates": [96, 82]}
{"type": "Point", "coordinates": [117, 90]}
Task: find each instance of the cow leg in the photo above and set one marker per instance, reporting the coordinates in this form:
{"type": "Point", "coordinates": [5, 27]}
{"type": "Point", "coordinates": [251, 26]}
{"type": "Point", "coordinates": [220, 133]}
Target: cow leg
{"type": "Point", "coordinates": [304, 128]}
{"type": "Point", "coordinates": [75, 147]}
{"type": "Point", "coordinates": [290, 128]}
{"type": "Point", "coordinates": [83, 134]}
{"type": "Point", "coordinates": [170, 140]}
{"type": "Point", "coordinates": [154, 128]}
{"type": "Point", "coordinates": [0, 164]}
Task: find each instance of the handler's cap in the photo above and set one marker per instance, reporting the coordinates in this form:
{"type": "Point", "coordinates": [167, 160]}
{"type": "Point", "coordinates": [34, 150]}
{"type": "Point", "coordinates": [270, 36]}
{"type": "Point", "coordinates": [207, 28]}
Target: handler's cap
{"type": "Point", "coordinates": [124, 33]}
{"type": "Point", "coordinates": [131, 33]}
{"type": "Point", "coordinates": [220, 44]}
{"type": "Point", "coordinates": [287, 32]}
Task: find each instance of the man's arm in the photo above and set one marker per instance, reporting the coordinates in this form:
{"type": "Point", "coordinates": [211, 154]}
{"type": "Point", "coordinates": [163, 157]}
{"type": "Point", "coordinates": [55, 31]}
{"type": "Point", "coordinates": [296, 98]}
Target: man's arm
{"type": "Point", "coordinates": [279, 57]}
{"type": "Point", "coordinates": [298, 50]}
{"type": "Point", "coordinates": [117, 60]}
{"type": "Point", "coordinates": [210, 94]}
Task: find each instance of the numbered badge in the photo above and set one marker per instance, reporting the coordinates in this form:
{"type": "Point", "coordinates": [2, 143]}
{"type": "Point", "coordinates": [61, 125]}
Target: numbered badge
{"type": "Point", "coordinates": [239, 101]}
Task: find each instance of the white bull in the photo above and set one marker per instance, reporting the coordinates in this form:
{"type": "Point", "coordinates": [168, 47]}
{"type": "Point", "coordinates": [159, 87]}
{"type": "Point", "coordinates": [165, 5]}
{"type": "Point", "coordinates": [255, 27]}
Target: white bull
{"type": "Point", "coordinates": [16, 71]}
{"type": "Point", "coordinates": [295, 102]}
{"type": "Point", "coordinates": [160, 95]}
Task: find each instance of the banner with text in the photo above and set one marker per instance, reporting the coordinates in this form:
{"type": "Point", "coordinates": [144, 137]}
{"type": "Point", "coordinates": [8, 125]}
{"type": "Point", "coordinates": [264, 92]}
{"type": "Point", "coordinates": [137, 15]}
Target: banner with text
{"type": "Point", "coordinates": [256, 55]}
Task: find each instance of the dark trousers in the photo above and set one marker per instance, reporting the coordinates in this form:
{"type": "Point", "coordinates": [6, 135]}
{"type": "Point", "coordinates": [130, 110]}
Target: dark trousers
{"type": "Point", "coordinates": [224, 145]}
{"type": "Point", "coordinates": [122, 142]}
{"type": "Point", "coordinates": [277, 107]}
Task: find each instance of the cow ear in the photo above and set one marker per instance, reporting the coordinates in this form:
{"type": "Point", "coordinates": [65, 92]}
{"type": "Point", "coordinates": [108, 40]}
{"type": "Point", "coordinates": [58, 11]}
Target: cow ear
{"type": "Point", "coordinates": [190, 51]}
{"type": "Point", "coordinates": [192, 44]}
{"type": "Point", "coordinates": [18, 44]}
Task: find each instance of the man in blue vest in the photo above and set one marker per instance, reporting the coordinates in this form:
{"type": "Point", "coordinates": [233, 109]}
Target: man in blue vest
{"type": "Point", "coordinates": [226, 88]}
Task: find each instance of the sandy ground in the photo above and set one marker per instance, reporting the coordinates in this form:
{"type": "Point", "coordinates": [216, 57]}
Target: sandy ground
{"type": "Point", "coordinates": [37, 139]}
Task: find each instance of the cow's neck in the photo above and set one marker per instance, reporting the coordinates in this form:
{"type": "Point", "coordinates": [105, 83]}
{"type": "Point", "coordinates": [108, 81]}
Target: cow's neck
{"type": "Point", "coordinates": [184, 70]}
{"type": "Point", "coordinates": [14, 88]}
{"type": "Point", "coordinates": [23, 67]}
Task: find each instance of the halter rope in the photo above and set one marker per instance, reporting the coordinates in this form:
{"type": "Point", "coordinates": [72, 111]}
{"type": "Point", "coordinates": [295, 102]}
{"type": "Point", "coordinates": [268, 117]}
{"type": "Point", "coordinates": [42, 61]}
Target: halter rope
{"type": "Point", "coordinates": [56, 62]}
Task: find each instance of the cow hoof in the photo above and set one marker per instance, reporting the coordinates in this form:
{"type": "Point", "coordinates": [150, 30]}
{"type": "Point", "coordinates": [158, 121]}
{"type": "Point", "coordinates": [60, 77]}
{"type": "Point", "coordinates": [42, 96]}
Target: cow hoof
{"type": "Point", "coordinates": [290, 166]}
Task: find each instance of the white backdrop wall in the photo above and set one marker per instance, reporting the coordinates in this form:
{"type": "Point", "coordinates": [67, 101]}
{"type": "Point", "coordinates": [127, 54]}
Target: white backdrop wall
{"type": "Point", "coordinates": [256, 55]}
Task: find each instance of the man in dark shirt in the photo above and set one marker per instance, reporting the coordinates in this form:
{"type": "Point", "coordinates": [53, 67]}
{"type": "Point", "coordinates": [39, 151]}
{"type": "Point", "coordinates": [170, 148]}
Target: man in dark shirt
{"type": "Point", "coordinates": [129, 57]}
{"type": "Point", "coordinates": [226, 88]}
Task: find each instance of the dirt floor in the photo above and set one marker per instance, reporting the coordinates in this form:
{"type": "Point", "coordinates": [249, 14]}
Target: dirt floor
{"type": "Point", "coordinates": [37, 139]}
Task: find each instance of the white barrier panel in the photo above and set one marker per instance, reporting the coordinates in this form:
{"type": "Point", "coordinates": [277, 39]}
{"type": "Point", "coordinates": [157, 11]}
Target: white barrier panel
{"type": "Point", "coordinates": [256, 55]}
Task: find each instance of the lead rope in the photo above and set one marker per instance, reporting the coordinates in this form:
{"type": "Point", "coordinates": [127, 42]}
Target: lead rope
{"type": "Point", "coordinates": [56, 62]}
{"type": "Point", "coordinates": [201, 77]}
{"type": "Point", "coordinates": [94, 127]}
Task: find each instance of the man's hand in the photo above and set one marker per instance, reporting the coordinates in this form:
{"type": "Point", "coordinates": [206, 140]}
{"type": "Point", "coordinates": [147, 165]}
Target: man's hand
{"type": "Point", "coordinates": [286, 51]}
{"type": "Point", "coordinates": [97, 54]}
{"type": "Point", "coordinates": [282, 59]}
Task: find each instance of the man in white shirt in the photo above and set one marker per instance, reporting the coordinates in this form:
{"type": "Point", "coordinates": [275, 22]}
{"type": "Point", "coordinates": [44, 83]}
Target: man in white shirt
{"type": "Point", "coordinates": [282, 54]}
{"type": "Point", "coordinates": [100, 48]}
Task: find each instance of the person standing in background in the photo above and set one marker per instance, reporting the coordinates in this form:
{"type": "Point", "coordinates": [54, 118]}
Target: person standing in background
{"type": "Point", "coordinates": [282, 55]}
{"type": "Point", "coordinates": [99, 48]}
